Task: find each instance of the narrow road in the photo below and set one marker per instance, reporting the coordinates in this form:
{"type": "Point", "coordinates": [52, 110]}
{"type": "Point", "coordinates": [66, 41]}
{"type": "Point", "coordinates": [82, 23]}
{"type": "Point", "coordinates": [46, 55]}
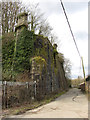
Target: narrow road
{"type": "Point", "coordinates": [73, 104]}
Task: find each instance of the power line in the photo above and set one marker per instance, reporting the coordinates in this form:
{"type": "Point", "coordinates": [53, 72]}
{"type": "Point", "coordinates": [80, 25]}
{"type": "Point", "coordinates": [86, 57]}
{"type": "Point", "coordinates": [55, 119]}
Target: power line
{"type": "Point", "coordinates": [70, 27]}
{"type": "Point", "coordinates": [73, 38]}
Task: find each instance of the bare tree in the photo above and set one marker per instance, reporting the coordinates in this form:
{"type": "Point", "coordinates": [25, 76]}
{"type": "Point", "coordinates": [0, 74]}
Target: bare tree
{"type": "Point", "coordinates": [37, 22]}
{"type": "Point", "coordinates": [53, 38]}
{"type": "Point", "coordinates": [45, 29]}
{"type": "Point", "coordinates": [67, 67]}
{"type": "Point", "coordinates": [35, 17]}
{"type": "Point", "coordinates": [9, 15]}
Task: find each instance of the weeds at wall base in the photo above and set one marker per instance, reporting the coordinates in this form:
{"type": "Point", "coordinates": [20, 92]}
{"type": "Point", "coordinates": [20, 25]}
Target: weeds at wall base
{"type": "Point", "coordinates": [35, 104]}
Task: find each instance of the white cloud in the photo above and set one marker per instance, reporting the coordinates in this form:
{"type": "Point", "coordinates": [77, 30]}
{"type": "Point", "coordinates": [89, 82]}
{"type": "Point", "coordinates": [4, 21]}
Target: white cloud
{"type": "Point", "coordinates": [78, 17]}
{"type": "Point", "coordinates": [79, 20]}
{"type": "Point", "coordinates": [75, 0]}
{"type": "Point", "coordinates": [79, 24]}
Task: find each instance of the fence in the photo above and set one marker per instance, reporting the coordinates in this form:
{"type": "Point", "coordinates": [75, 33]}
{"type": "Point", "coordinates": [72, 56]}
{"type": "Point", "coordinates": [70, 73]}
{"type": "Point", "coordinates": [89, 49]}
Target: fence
{"type": "Point", "coordinates": [17, 93]}
{"type": "Point", "coordinates": [88, 86]}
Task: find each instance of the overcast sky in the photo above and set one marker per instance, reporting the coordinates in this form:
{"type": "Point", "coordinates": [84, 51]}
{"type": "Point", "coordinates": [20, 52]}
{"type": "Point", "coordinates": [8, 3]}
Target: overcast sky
{"type": "Point", "coordinates": [77, 11]}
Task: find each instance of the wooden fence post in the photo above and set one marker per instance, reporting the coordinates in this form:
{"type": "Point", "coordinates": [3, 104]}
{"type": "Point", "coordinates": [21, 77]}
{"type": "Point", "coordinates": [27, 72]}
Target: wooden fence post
{"type": "Point", "coordinates": [2, 95]}
{"type": "Point", "coordinates": [27, 86]}
{"type": "Point", "coordinates": [5, 94]}
{"type": "Point", "coordinates": [33, 92]}
{"type": "Point", "coordinates": [35, 88]}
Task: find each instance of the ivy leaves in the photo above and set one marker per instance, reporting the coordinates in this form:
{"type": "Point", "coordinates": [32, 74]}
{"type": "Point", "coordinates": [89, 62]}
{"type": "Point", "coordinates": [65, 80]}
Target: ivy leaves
{"type": "Point", "coordinates": [24, 50]}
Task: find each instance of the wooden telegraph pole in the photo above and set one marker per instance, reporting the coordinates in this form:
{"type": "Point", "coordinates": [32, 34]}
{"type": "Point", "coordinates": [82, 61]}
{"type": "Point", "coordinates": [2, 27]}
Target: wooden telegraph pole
{"type": "Point", "coordinates": [83, 72]}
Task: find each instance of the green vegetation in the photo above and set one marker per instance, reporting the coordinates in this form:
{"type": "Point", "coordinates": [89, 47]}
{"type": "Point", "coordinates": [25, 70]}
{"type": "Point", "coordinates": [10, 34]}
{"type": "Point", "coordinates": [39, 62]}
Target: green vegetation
{"type": "Point", "coordinates": [38, 60]}
{"type": "Point", "coordinates": [24, 51]}
{"type": "Point", "coordinates": [19, 52]}
{"type": "Point", "coordinates": [17, 61]}
{"type": "Point", "coordinates": [25, 107]}
{"type": "Point", "coordinates": [8, 42]}
{"type": "Point", "coordinates": [55, 51]}
{"type": "Point", "coordinates": [77, 82]}
{"type": "Point", "coordinates": [41, 47]}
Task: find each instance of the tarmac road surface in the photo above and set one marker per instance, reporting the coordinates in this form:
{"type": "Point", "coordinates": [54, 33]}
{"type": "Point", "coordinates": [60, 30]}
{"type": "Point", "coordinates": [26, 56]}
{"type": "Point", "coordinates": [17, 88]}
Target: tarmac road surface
{"type": "Point", "coordinates": [73, 104]}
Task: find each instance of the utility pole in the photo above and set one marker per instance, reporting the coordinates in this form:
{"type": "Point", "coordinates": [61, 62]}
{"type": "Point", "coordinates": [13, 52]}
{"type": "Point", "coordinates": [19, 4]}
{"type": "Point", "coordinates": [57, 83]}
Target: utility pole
{"type": "Point", "coordinates": [74, 40]}
{"type": "Point", "coordinates": [83, 67]}
{"type": "Point", "coordinates": [83, 72]}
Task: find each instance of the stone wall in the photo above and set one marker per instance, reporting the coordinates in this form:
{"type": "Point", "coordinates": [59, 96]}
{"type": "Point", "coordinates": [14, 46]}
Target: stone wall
{"type": "Point", "coordinates": [49, 75]}
{"type": "Point", "coordinates": [52, 78]}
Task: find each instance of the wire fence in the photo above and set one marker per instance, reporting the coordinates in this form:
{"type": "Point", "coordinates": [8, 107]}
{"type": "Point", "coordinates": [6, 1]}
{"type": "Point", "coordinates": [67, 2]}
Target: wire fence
{"type": "Point", "coordinates": [17, 93]}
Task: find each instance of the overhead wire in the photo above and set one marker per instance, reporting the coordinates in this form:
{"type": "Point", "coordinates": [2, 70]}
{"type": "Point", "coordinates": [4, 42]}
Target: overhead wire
{"type": "Point", "coordinates": [70, 27]}
{"type": "Point", "coordinates": [73, 37]}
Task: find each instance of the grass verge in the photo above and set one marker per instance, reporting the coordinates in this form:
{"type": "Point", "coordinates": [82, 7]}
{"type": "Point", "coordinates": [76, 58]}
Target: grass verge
{"type": "Point", "coordinates": [35, 104]}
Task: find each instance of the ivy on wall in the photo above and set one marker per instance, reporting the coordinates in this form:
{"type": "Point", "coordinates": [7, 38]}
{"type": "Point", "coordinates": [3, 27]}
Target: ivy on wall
{"type": "Point", "coordinates": [24, 50]}
{"type": "Point", "coordinates": [17, 61]}
{"type": "Point", "coordinates": [18, 52]}
{"type": "Point", "coordinates": [8, 42]}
